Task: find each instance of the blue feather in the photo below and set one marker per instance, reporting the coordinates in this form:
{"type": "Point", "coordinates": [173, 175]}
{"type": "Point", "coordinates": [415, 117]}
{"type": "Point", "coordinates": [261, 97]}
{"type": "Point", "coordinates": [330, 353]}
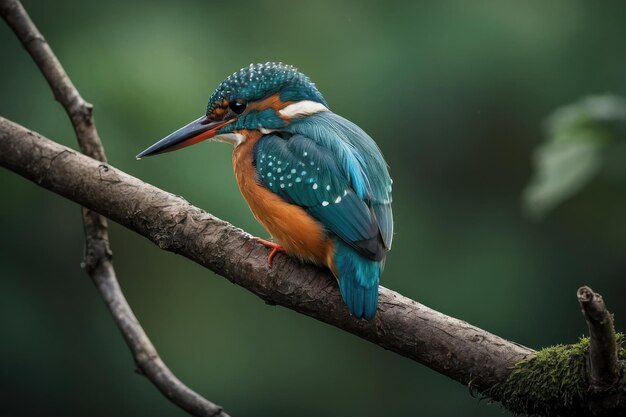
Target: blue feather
{"type": "Point", "coordinates": [359, 158]}
{"type": "Point", "coordinates": [267, 118]}
{"type": "Point", "coordinates": [308, 175]}
{"type": "Point", "coordinates": [358, 281]}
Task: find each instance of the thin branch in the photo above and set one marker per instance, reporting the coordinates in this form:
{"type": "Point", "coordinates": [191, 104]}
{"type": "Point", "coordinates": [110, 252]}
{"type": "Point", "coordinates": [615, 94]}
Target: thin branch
{"type": "Point", "coordinates": [79, 111]}
{"type": "Point", "coordinates": [98, 255]}
{"type": "Point", "coordinates": [603, 369]}
{"type": "Point", "coordinates": [146, 357]}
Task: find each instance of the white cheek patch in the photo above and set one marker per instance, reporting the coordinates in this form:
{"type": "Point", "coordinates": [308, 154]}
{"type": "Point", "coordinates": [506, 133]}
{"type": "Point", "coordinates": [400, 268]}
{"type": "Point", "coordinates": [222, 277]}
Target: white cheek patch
{"type": "Point", "coordinates": [235, 139]}
{"type": "Point", "coordinates": [302, 108]}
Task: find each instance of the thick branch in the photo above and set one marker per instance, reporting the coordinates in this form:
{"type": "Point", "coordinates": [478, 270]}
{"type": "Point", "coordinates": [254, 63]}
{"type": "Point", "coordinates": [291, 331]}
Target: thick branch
{"type": "Point", "coordinates": [98, 255]}
{"type": "Point", "coordinates": [450, 346]}
{"type": "Point", "coordinates": [603, 370]}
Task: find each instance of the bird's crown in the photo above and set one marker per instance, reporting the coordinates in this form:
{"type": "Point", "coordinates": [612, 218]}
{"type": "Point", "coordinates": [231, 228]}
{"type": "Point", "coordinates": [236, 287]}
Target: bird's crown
{"type": "Point", "coordinates": [258, 81]}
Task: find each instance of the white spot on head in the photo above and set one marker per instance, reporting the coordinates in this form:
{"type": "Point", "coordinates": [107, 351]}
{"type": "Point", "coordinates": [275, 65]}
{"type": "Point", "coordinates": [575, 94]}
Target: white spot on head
{"type": "Point", "coordinates": [337, 200]}
{"type": "Point", "coordinates": [298, 179]}
{"type": "Point", "coordinates": [345, 192]}
{"type": "Point", "coordinates": [303, 173]}
{"type": "Point", "coordinates": [279, 170]}
{"type": "Point", "coordinates": [270, 164]}
{"type": "Point", "coordinates": [315, 186]}
{"type": "Point", "coordinates": [305, 153]}
{"type": "Point", "coordinates": [293, 170]}
{"type": "Point", "coordinates": [324, 203]}
{"type": "Point", "coordinates": [282, 185]}
{"type": "Point", "coordinates": [302, 108]}
{"type": "Point", "coordinates": [328, 188]}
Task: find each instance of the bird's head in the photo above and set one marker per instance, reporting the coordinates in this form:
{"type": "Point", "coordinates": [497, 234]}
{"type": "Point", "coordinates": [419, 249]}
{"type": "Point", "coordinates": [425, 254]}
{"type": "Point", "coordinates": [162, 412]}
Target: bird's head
{"type": "Point", "coordinates": [263, 97]}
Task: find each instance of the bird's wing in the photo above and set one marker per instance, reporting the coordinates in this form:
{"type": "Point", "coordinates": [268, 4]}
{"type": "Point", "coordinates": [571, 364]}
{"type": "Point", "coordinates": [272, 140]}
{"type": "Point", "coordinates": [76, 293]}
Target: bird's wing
{"type": "Point", "coordinates": [360, 160]}
{"type": "Point", "coordinates": [308, 174]}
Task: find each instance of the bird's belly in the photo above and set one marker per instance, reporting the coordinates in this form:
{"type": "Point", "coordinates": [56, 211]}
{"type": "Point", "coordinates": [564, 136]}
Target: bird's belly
{"type": "Point", "coordinates": [293, 229]}
{"type": "Point", "coordinates": [290, 225]}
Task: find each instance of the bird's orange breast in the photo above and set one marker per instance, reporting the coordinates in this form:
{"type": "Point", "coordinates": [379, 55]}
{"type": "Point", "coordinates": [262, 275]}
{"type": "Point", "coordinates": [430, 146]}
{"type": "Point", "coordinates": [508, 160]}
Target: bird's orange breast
{"type": "Point", "coordinates": [292, 227]}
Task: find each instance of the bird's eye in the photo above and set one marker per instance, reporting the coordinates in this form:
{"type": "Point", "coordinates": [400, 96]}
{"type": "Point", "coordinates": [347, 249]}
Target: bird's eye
{"type": "Point", "coordinates": [238, 106]}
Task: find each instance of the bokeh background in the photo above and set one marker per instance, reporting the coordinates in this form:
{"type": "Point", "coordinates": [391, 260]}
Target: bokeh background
{"type": "Point", "coordinates": [455, 93]}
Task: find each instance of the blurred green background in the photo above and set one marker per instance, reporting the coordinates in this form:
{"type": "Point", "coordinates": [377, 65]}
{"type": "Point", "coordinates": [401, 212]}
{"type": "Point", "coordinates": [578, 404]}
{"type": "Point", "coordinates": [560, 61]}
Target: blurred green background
{"type": "Point", "coordinates": [454, 92]}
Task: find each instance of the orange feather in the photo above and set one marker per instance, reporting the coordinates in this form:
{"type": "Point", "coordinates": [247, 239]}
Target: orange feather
{"type": "Point", "coordinates": [292, 227]}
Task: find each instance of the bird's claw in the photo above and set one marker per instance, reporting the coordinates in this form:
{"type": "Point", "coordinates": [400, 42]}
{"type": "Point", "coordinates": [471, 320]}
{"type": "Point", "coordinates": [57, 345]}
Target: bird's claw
{"type": "Point", "coordinates": [276, 248]}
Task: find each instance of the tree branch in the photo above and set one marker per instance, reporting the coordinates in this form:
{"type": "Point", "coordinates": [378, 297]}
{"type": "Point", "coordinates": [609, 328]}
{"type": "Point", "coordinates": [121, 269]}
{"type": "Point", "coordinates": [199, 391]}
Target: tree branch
{"type": "Point", "coordinates": [98, 255]}
{"type": "Point", "coordinates": [558, 380]}
{"type": "Point", "coordinates": [447, 345]}
{"type": "Point", "coordinates": [78, 110]}
{"type": "Point", "coordinates": [603, 369]}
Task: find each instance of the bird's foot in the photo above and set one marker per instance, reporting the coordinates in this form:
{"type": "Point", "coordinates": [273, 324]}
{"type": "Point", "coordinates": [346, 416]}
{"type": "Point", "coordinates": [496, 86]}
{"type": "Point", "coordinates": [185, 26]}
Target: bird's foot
{"type": "Point", "coordinates": [276, 248]}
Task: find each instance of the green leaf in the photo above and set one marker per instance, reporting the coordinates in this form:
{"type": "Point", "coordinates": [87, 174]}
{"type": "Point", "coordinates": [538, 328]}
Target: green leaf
{"type": "Point", "coordinates": [580, 136]}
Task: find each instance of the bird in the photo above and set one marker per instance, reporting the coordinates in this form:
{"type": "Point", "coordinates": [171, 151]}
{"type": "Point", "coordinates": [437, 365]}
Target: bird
{"type": "Point", "coordinates": [316, 181]}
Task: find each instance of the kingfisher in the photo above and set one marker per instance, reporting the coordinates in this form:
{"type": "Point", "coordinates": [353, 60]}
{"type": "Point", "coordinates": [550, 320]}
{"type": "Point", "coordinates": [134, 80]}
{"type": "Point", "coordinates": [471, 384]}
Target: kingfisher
{"type": "Point", "coordinates": [316, 181]}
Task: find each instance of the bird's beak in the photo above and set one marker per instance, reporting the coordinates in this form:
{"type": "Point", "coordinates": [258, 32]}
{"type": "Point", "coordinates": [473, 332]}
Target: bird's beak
{"type": "Point", "coordinates": [196, 131]}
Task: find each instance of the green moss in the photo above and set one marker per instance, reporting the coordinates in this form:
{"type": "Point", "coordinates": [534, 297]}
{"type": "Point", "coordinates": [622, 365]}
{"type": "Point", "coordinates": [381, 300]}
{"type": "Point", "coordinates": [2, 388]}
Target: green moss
{"type": "Point", "coordinates": [551, 382]}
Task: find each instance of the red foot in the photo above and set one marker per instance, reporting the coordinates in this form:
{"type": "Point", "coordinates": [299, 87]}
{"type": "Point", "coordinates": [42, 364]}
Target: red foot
{"type": "Point", "coordinates": [276, 248]}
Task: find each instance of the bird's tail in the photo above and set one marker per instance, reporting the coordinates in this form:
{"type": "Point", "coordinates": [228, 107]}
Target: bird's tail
{"type": "Point", "coordinates": [358, 280]}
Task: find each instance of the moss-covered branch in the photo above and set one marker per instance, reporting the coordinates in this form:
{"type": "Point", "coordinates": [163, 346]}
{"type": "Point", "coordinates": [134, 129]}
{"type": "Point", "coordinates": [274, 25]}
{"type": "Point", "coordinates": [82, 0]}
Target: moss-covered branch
{"type": "Point", "coordinates": [581, 379]}
{"type": "Point", "coordinates": [554, 382]}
